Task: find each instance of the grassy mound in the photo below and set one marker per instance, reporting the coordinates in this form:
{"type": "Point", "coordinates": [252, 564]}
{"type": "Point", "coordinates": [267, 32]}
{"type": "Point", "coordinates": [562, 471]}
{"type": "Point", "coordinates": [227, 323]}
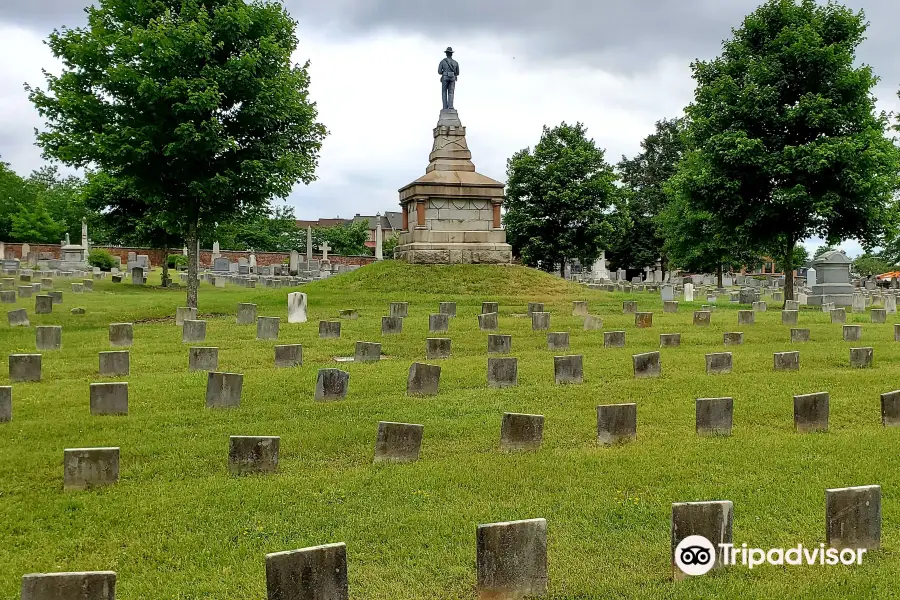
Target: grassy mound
{"type": "Point", "coordinates": [483, 280]}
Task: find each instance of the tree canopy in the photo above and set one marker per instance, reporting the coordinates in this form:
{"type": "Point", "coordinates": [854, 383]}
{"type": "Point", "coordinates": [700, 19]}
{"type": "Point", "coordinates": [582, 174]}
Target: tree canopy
{"type": "Point", "coordinates": [561, 202]}
{"type": "Point", "coordinates": [193, 106]}
{"type": "Point", "coordinates": [785, 139]}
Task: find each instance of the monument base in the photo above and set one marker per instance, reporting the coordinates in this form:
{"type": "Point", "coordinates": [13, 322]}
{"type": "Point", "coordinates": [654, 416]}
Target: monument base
{"type": "Point", "coordinates": [839, 293]}
{"type": "Point", "coordinates": [423, 246]}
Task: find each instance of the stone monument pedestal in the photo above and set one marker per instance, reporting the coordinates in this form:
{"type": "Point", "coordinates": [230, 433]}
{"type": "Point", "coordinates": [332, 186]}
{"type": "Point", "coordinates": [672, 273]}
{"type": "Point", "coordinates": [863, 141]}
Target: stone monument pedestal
{"type": "Point", "coordinates": [452, 214]}
{"type": "Point", "coordinates": [832, 273]}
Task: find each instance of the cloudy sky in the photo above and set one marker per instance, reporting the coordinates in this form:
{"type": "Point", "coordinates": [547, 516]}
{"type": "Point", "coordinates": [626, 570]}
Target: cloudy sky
{"type": "Point", "coordinates": [617, 66]}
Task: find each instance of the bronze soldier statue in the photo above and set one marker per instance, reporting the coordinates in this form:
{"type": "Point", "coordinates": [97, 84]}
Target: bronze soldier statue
{"type": "Point", "coordinates": [449, 71]}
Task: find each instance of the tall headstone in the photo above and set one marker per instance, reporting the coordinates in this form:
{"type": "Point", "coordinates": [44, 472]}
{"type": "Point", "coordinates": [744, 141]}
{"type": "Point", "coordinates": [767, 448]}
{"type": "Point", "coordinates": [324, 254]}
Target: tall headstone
{"type": "Point", "coordinates": [832, 273]}
{"type": "Point", "coordinates": [309, 244]}
{"type": "Point", "coordinates": [511, 559]}
{"type": "Point", "coordinates": [215, 250]}
{"type": "Point", "coordinates": [296, 307]}
{"type": "Point", "coordinates": [379, 241]}
{"type": "Point", "coordinates": [317, 573]}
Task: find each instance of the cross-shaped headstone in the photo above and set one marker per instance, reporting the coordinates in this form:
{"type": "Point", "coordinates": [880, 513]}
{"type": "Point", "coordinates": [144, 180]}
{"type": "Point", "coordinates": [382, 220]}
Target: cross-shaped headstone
{"type": "Point", "coordinates": [325, 248]}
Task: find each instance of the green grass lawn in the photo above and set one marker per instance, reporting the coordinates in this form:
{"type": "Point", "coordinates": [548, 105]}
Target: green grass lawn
{"type": "Point", "coordinates": [177, 526]}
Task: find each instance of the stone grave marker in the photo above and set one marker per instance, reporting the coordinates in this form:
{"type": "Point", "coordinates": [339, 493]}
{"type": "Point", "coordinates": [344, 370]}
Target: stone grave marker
{"type": "Point", "coordinates": [85, 468]}
{"type": "Point", "coordinates": [879, 315]}
{"type": "Point", "coordinates": [614, 339]}
{"type": "Point", "coordinates": [77, 288]}
{"type": "Point", "coordinates": [718, 363]}
{"type": "Point", "coordinates": [7, 297]}
{"type": "Point", "coordinates": [6, 403]}
{"type": "Point", "coordinates": [24, 367]}
{"type": "Point", "coordinates": [646, 365]}
{"type": "Point", "coordinates": [521, 432]}
{"type": "Point", "coordinates": [43, 305]}
{"type": "Point", "coordinates": [502, 372]}
{"type": "Point", "coordinates": [488, 322]}
{"type": "Point", "coordinates": [109, 398]}
{"type": "Point", "coordinates": [669, 340]}
{"type": "Point", "coordinates": [184, 313]}
{"type": "Point", "coordinates": [25, 290]}
{"type": "Point", "coordinates": [540, 321]}
{"type": "Point", "coordinates": [137, 276]}
{"type": "Point", "coordinates": [616, 423]}
{"type": "Point", "coordinates": [317, 573]}
{"type": "Point", "coordinates": [490, 307]}
{"type": "Point", "coordinates": [367, 352]}
{"type": "Point", "coordinates": [55, 297]}
{"type": "Point", "coordinates": [253, 454]}
{"type": "Point", "coordinates": [759, 306]}
{"type": "Point", "coordinates": [511, 559]}
{"type": "Point", "coordinates": [790, 317]}
{"type": "Point", "coordinates": [629, 307]}
{"type": "Point", "coordinates": [711, 520]}
{"type": "Point", "coordinates": [746, 317]}
{"type": "Point", "coordinates": [853, 517]}
{"type": "Point", "coordinates": [296, 307]}
{"type": "Point", "coordinates": [714, 416]}
{"type": "Point", "coordinates": [391, 325]}
{"type": "Point", "coordinates": [116, 362]}
{"type": "Point", "coordinates": [398, 442]}
{"type": "Point", "coordinates": [670, 306]}
{"type": "Point", "coordinates": [447, 308]}
{"type": "Point", "coordinates": [568, 369]}
{"type": "Point", "coordinates": [861, 358]}
{"type": "Point", "coordinates": [811, 412]}
{"type": "Point", "coordinates": [438, 323]}
{"type": "Point", "coordinates": [121, 335]}
{"type": "Point", "coordinates": [349, 313]}
{"type": "Point", "coordinates": [399, 309]}
{"type": "Point", "coordinates": [838, 315]}
{"type": "Point", "coordinates": [534, 307]}
{"type": "Point", "coordinates": [267, 328]}
{"type": "Point", "coordinates": [332, 384]}
{"type": "Point", "coordinates": [558, 340]}
{"type": "Point", "coordinates": [579, 308]}
{"type": "Point", "coordinates": [799, 335]}
{"type": "Point", "coordinates": [246, 313]}
{"type": "Point", "coordinates": [499, 344]}
{"type": "Point", "coordinates": [890, 409]}
{"type": "Point", "coordinates": [643, 320]}
{"type": "Point", "coordinates": [193, 331]}
{"type": "Point", "coordinates": [288, 355]}
{"type": "Point", "coordinates": [223, 390]}
{"type": "Point", "coordinates": [88, 585]}
{"type": "Point", "coordinates": [423, 379]}
{"type": "Point", "coordinates": [733, 338]}
{"type": "Point", "coordinates": [88, 285]}
{"type": "Point", "coordinates": [787, 361]}
{"type": "Point", "coordinates": [202, 358]}
{"type": "Point", "coordinates": [852, 333]}
{"type": "Point", "coordinates": [48, 337]}
{"type": "Point", "coordinates": [592, 323]}
{"type": "Point", "coordinates": [329, 330]}
{"type": "Point", "coordinates": [437, 348]}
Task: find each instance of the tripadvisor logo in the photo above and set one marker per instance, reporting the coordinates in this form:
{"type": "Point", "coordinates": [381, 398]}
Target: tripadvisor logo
{"type": "Point", "coordinates": [696, 555]}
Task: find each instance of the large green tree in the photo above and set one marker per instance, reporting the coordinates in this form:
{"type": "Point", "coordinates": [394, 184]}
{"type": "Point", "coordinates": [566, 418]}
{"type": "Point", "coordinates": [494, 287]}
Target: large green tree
{"type": "Point", "coordinates": [786, 139]}
{"type": "Point", "coordinates": [561, 202]}
{"type": "Point", "coordinates": [644, 178]}
{"type": "Point", "coordinates": [195, 104]}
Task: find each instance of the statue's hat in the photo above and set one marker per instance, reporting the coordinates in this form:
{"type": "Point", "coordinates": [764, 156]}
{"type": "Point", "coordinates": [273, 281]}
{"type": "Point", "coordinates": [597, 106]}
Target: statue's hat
{"type": "Point", "coordinates": [449, 50]}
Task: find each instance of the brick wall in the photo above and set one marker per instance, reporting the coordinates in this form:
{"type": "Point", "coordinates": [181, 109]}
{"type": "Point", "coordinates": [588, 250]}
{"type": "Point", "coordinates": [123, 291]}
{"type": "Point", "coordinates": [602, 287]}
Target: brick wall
{"type": "Point", "coordinates": [156, 256]}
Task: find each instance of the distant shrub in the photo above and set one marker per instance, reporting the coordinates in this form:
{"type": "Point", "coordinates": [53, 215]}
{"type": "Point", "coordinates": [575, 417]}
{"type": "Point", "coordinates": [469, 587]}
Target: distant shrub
{"type": "Point", "coordinates": [101, 258]}
{"type": "Point", "coordinates": [176, 260]}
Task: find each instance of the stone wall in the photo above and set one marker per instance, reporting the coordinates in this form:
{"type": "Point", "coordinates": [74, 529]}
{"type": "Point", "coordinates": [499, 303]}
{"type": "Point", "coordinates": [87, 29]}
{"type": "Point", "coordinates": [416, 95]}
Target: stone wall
{"type": "Point", "coordinates": [14, 250]}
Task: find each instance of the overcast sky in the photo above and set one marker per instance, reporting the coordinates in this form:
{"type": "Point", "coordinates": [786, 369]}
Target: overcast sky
{"type": "Point", "coordinates": [617, 66]}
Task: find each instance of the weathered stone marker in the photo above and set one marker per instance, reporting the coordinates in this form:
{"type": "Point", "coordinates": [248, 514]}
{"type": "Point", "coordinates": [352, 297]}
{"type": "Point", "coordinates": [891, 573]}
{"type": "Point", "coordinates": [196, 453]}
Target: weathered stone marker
{"type": "Point", "coordinates": [799, 335]}
{"type": "Point", "coordinates": [643, 320]}
{"type": "Point", "coordinates": [568, 369]}
{"type": "Point", "coordinates": [18, 318]}
{"type": "Point", "coordinates": [43, 305]}
{"type": "Point", "coordinates": [746, 317]}
{"type": "Point", "coordinates": [499, 344]}
{"type": "Point", "coordinates": [811, 412]}
{"type": "Point", "coordinates": [733, 338]}
{"type": "Point", "coordinates": [512, 560]}
{"type": "Point", "coordinates": [593, 323]}
{"type": "Point", "coordinates": [613, 339]}
{"type": "Point", "coordinates": [787, 361]}
{"type": "Point", "coordinates": [669, 340]}
{"type": "Point", "coordinates": [558, 340]}
{"type": "Point", "coordinates": [5, 403]}
{"type": "Point", "coordinates": [712, 520]}
{"type": "Point", "coordinates": [329, 330]}
{"type": "Point", "coordinates": [436, 348]}
{"type": "Point", "coordinates": [852, 333]}
{"type": "Point", "coordinates": [646, 364]}
{"type": "Point", "coordinates": [521, 432]}
{"type": "Point", "coordinates": [55, 297]}
{"type": "Point", "coordinates": [185, 313]}
{"type": "Point", "coordinates": [879, 315]}
{"type": "Point", "coordinates": [670, 306]}
{"type": "Point", "coordinates": [24, 367]}
{"type": "Point", "coordinates": [288, 355]}
{"type": "Point", "coordinates": [332, 384]}
{"type": "Point", "coordinates": [317, 573]}
{"type": "Point", "coordinates": [534, 307]}
{"type": "Point", "coordinates": [714, 416]}
{"type": "Point", "coordinates": [890, 409]}
{"type": "Point", "coordinates": [398, 442]}
{"type": "Point", "coordinates": [116, 362]}
{"type": "Point", "coordinates": [349, 313]}
{"type": "Point", "coordinates": [838, 315]}
{"type": "Point", "coordinates": [490, 307]}
{"type": "Point", "coordinates": [423, 379]}
{"type": "Point", "coordinates": [790, 317]}
{"type": "Point", "coordinates": [718, 363]}
{"type": "Point", "coordinates": [109, 398]}
{"type": "Point", "coordinates": [203, 359]}
{"type": "Point", "coordinates": [223, 390]}
{"type": "Point", "coordinates": [447, 308]}
{"type": "Point", "coordinates": [267, 328]}
{"type": "Point", "coordinates": [853, 517]}
{"type": "Point", "coordinates": [861, 358]}
{"type": "Point", "coordinates": [399, 309]}
{"type": "Point", "coordinates": [193, 331]}
{"type": "Point", "coordinates": [579, 308]}
{"type": "Point", "coordinates": [26, 290]}
{"type": "Point", "coordinates": [759, 306]}
{"type": "Point", "coordinates": [897, 332]}
{"type": "Point", "coordinates": [85, 468]}
{"type": "Point", "coordinates": [629, 307]}
{"type": "Point", "coordinates": [296, 307]}
{"type": "Point", "coordinates": [488, 322]}
{"type": "Point", "coordinates": [121, 335]}
{"type": "Point", "coordinates": [7, 297]}
{"type": "Point", "coordinates": [391, 325]}
{"type": "Point", "coordinates": [48, 337]}
{"type": "Point", "coordinates": [367, 352]}
{"type": "Point", "coordinates": [87, 585]}
{"type": "Point", "coordinates": [540, 321]}
{"type": "Point", "coordinates": [438, 323]}
{"type": "Point", "coordinates": [502, 372]}
{"type": "Point", "coordinates": [253, 454]}
{"type": "Point", "coordinates": [246, 313]}
{"type": "Point", "coordinates": [616, 423]}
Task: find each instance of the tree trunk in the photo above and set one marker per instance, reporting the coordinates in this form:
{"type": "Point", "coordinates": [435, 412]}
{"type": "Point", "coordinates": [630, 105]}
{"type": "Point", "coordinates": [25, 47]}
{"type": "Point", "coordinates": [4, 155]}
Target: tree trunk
{"type": "Point", "coordinates": [562, 268]}
{"type": "Point", "coordinates": [193, 282]}
{"type": "Point", "coordinates": [165, 266]}
{"type": "Point", "coordinates": [719, 276]}
{"type": "Point", "coordinates": [789, 271]}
